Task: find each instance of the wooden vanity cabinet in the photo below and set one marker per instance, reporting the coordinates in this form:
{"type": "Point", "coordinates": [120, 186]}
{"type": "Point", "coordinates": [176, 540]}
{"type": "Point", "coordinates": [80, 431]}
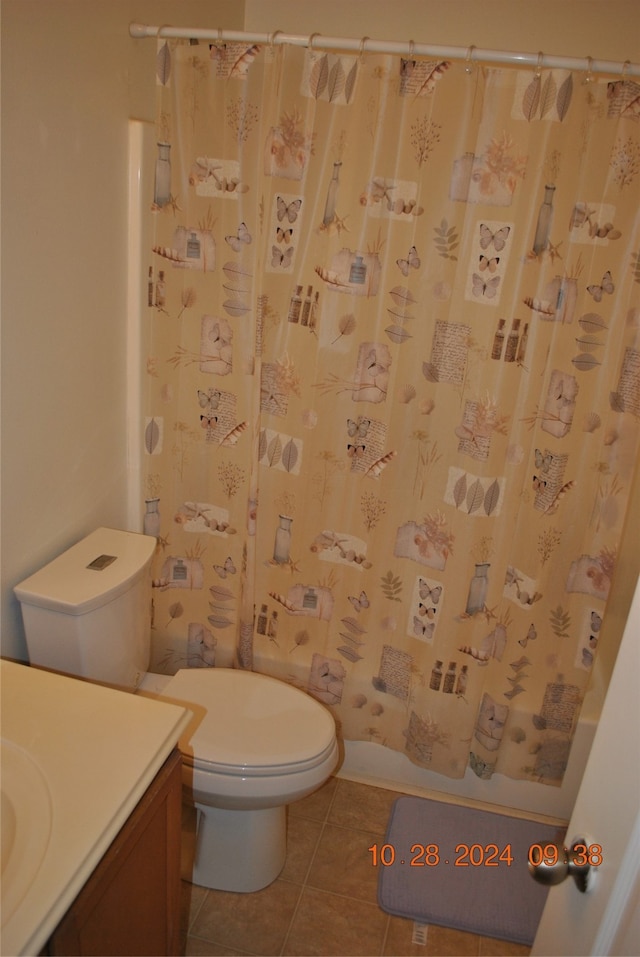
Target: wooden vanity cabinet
{"type": "Point", "coordinates": [131, 903]}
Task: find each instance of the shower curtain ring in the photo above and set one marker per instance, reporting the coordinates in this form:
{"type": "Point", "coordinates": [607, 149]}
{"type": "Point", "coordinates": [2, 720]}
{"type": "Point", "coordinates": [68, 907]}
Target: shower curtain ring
{"type": "Point", "coordinates": [310, 41]}
{"type": "Point", "coordinates": [469, 67]}
{"type": "Point", "coordinates": [362, 46]}
{"type": "Point", "coordinates": [272, 37]}
{"type": "Point", "coordinates": [625, 66]}
{"type": "Point", "coordinates": [165, 26]}
{"type": "Point", "coordinates": [539, 65]}
{"type": "Point", "coordinates": [589, 75]}
{"type": "Point", "coordinates": [215, 44]}
{"type": "Point", "coordinates": [412, 47]}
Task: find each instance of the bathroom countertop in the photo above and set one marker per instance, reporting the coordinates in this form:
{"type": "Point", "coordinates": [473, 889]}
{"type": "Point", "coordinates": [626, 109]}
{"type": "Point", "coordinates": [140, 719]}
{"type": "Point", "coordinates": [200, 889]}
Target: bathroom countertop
{"type": "Point", "coordinates": [97, 749]}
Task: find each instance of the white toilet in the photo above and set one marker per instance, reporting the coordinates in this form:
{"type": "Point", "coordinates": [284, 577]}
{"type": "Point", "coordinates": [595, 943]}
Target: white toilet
{"type": "Point", "coordinates": [254, 745]}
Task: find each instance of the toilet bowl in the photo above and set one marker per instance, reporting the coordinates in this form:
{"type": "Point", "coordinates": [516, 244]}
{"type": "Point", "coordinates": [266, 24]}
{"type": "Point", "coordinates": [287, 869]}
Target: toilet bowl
{"type": "Point", "coordinates": [254, 744]}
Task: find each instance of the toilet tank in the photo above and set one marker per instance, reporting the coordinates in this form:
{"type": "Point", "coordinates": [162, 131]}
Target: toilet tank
{"type": "Point", "coordinates": [88, 612]}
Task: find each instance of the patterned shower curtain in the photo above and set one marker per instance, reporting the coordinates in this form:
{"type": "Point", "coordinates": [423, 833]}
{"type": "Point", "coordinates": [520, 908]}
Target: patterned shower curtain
{"type": "Point", "coordinates": [393, 387]}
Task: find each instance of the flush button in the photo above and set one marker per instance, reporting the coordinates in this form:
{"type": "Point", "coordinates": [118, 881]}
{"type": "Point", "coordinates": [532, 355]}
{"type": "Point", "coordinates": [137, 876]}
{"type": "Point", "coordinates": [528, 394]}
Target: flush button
{"type": "Point", "coordinates": [101, 562]}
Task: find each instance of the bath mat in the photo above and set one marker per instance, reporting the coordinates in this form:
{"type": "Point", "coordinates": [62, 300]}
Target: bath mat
{"type": "Point", "coordinates": [461, 868]}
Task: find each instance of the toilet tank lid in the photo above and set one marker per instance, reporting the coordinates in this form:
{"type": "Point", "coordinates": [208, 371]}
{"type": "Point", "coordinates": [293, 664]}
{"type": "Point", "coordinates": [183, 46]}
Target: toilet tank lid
{"type": "Point", "coordinates": [91, 573]}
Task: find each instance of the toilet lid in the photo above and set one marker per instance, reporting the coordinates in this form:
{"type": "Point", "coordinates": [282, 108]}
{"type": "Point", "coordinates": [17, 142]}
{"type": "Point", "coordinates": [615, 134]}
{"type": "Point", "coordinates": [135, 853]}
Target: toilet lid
{"type": "Point", "coordinates": [248, 721]}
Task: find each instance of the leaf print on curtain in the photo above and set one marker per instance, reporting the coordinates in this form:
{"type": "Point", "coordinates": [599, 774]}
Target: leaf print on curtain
{"type": "Point", "coordinates": [394, 389]}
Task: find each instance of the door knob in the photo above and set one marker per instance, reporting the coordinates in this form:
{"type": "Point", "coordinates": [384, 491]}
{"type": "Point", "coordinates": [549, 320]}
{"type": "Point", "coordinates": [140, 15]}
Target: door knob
{"type": "Point", "coordinates": [551, 863]}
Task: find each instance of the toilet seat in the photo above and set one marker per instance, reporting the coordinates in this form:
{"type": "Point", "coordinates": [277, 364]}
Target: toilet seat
{"type": "Point", "coordinates": [248, 724]}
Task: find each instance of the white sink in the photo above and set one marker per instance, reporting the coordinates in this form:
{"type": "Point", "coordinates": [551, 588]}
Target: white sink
{"type": "Point", "coordinates": [26, 824]}
{"type": "Point", "coordinates": [75, 760]}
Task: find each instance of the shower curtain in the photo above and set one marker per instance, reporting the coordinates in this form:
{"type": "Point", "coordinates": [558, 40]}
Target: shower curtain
{"type": "Point", "coordinates": [393, 387]}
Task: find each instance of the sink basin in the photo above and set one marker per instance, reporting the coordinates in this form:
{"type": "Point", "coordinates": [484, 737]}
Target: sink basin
{"type": "Point", "coordinates": [76, 758]}
{"type": "Point", "coordinates": [25, 804]}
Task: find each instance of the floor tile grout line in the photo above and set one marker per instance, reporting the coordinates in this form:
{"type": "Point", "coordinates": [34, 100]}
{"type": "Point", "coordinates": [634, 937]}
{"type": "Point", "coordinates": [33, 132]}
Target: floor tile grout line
{"type": "Point", "coordinates": [348, 827]}
{"type": "Point", "coordinates": [304, 882]}
{"type": "Point", "coordinates": [344, 897]}
{"type": "Point", "coordinates": [192, 919]}
{"type": "Point", "coordinates": [301, 885]}
{"type": "Point", "coordinates": [386, 934]}
{"type": "Point", "coordinates": [335, 799]}
{"type": "Point", "coordinates": [345, 783]}
{"type": "Point", "coordinates": [312, 856]}
{"type": "Point", "coordinates": [293, 917]}
{"type": "Point", "coordinates": [217, 943]}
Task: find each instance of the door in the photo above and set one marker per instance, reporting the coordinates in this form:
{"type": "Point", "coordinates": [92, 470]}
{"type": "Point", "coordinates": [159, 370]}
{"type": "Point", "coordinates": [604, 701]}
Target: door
{"type": "Point", "coordinates": [606, 920]}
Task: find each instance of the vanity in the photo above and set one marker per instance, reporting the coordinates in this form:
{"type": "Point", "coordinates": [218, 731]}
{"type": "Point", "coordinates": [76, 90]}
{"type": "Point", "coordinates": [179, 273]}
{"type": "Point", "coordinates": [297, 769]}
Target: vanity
{"type": "Point", "coordinates": [91, 792]}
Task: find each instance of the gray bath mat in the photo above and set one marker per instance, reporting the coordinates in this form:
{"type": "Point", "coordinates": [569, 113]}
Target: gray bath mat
{"type": "Point", "coordinates": [482, 893]}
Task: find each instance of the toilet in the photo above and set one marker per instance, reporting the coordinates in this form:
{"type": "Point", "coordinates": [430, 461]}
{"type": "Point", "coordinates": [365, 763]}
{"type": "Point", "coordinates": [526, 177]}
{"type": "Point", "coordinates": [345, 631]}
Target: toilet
{"type": "Point", "coordinates": [254, 744]}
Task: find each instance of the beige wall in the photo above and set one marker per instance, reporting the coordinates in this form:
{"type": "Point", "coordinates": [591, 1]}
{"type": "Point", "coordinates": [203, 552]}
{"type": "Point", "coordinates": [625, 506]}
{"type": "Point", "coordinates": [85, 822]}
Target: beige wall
{"type": "Point", "coordinates": [71, 78]}
{"type": "Point", "coordinates": [605, 29]}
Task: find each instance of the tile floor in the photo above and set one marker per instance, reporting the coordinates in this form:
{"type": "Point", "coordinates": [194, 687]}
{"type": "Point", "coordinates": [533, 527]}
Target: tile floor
{"type": "Point", "coordinates": [324, 901]}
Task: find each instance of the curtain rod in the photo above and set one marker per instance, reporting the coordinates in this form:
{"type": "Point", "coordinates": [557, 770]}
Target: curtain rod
{"type": "Point", "coordinates": [472, 54]}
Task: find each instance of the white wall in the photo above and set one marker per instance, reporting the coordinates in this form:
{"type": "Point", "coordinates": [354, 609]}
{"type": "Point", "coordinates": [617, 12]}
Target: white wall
{"type": "Point", "coordinates": [71, 78]}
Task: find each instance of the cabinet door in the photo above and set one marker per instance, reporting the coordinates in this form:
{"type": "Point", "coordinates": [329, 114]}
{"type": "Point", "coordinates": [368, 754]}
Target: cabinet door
{"type": "Point", "coordinates": [131, 903]}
